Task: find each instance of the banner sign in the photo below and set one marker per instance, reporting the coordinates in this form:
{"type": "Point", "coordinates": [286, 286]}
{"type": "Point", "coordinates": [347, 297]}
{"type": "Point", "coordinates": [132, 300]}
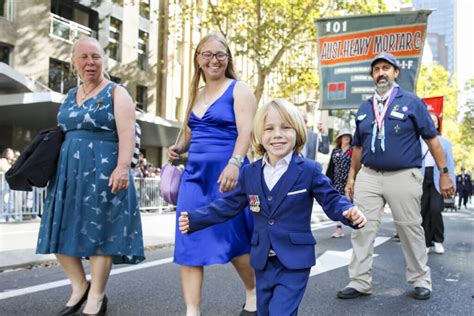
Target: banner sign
{"type": "Point", "coordinates": [347, 45]}
{"type": "Point", "coordinates": [435, 105]}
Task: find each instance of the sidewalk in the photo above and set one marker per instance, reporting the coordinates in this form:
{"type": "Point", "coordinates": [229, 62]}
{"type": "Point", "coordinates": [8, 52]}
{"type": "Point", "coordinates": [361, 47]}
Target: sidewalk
{"type": "Point", "coordinates": [18, 240]}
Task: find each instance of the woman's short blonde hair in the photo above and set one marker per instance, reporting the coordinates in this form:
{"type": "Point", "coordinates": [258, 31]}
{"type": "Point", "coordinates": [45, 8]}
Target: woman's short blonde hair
{"type": "Point", "coordinates": [289, 114]}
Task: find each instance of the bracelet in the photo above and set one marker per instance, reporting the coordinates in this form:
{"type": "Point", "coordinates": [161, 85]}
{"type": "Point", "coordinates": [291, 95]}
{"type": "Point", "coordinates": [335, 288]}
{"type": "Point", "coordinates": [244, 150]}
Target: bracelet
{"type": "Point", "coordinates": [237, 161]}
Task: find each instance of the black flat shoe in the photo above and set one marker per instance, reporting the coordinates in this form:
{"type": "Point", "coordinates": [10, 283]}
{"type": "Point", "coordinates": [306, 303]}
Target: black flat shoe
{"type": "Point", "coordinates": [102, 309]}
{"type": "Point", "coordinates": [245, 312]}
{"type": "Point", "coordinates": [421, 293]}
{"type": "Point", "coordinates": [349, 293]}
{"type": "Point", "coordinates": [69, 310]}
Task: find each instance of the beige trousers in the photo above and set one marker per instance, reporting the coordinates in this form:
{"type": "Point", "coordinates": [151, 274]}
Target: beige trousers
{"type": "Point", "coordinates": [402, 191]}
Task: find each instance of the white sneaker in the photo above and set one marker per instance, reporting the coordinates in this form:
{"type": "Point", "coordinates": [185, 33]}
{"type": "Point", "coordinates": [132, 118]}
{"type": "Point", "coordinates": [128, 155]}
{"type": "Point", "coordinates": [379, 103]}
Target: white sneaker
{"type": "Point", "coordinates": [438, 248]}
{"type": "Point", "coordinates": [428, 249]}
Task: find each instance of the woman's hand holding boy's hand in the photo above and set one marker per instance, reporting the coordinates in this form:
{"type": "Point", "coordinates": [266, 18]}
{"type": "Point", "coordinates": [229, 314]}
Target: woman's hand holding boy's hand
{"type": "Point", "coordinates": [184, 223]}
{"type": "Point", "coordinates": [228, 178]}
{"type": "Point", "coordinates": [355, 217]}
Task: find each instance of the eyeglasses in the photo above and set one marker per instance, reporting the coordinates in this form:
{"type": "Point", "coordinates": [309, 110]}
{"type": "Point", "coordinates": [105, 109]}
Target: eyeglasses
{"type": "Point", "coordinates": [207, 55]}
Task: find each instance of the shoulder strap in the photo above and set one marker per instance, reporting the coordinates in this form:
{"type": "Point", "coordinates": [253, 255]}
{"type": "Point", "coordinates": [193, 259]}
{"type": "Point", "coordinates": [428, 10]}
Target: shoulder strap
{"type": "Point", "coordinates": [426, 153]}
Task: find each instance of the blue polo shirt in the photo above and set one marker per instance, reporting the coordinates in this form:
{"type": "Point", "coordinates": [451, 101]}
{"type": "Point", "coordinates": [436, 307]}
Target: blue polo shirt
{"type": "Point", "coordinates": [406, 119]}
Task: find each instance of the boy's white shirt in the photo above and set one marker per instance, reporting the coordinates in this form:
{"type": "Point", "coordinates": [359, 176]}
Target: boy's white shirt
{"type": "Point", "coordinates": [273, 174]}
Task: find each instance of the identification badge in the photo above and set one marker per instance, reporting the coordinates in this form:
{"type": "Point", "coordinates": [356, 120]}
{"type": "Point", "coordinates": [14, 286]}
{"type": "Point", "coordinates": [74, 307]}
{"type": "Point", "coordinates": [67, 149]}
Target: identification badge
{"type": "Point", "coordinates": [254, 203]}
{"type": "Point", "coordinates": [397, 114]}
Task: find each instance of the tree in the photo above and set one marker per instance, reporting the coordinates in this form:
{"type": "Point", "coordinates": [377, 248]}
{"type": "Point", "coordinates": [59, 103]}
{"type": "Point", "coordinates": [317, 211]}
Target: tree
{"type": "Point", "coordinates": [434, 81]}
{"type": "Point", "coordinates": [276, 34]}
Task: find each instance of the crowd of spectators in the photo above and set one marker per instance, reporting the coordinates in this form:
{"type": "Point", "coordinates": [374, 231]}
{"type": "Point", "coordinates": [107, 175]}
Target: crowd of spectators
{"type": "Point", "coordinates": [144, 169]}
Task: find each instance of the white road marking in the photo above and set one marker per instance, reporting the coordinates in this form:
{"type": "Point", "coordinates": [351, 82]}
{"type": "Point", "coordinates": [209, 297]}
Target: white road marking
{"type": "Point", "coordinates": [52, 285]}
{"type": "Point", "coordinates": [331, 260]}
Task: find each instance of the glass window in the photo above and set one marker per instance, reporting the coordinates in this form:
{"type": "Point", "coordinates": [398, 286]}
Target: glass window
{"type": "Point", "coordinates": [5, 51]}
{"type": "Point", "coordinates": [142, 97]}
{"type": "Point", "coordinates": [6, 9]}
{"type": "Point", "coordinates": [145, 9]}
{"type": "Point", "coordinates": [61, 76]}
{"type": "Point", "coordinates": [3, 8]}
{"type": "Point", "coordinates": [115, 31]}
{"type": "Point", "coordinates": [142, 50]}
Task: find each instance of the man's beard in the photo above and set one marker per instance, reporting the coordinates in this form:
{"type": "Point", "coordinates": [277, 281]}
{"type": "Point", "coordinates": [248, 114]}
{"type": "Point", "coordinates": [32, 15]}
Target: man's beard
{"type": "Point", "coordinates": [383, 88]}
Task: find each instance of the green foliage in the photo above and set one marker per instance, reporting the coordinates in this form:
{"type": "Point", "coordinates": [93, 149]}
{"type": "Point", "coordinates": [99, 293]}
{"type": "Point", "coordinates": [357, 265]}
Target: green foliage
{"type": "Point", "coordinates": [434, 81]}
{"type": "Point", "coordinates": [279, 36]}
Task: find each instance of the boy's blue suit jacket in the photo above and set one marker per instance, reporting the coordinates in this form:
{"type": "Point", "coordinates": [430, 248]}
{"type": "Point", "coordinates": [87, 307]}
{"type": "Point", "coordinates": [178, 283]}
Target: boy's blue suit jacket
{"type": "Point", "coordinates": [285, 225]}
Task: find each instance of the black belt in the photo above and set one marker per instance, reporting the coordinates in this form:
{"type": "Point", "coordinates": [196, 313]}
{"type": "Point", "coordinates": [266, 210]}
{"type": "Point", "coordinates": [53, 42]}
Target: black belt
{"type": "Point", "coordinates": [382, 171]}
{"type": "Point", "coordinates": [373, 169]}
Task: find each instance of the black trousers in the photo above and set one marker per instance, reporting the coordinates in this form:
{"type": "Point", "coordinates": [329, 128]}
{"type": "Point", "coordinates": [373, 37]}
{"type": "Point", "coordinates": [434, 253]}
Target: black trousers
{"type": "Point", "coordinates": [463, 195]}
{"type": "Point", "coordinates": [432, 204]}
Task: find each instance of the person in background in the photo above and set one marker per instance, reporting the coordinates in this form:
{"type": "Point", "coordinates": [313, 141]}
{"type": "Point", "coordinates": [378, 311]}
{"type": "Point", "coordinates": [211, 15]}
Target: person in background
{"type": "Point", "coordinates": [314, 144]}
{"type": "Point", "coordinates": [386, 159]}
{"type": "Point", "coordinates": [432, 202]}
{"type": "Point", "coordinates": [339, 166]}
{"type": "Point", "coordinates": [91, 210]}
{"type": "Point", "coordinates": [216, 134]}
{"type": "Point", "coordinates": [464, 187]}
{"type": "Point", "coordinates": [6, 161]}
{"type": "Point", "coordinates": [16, 154]}
{"type": "Point", "coordinates": [280, 189]}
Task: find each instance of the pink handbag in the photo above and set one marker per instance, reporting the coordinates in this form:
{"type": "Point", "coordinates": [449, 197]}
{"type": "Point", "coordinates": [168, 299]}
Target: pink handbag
{"type": "Point", "coordinates": [169, 183]}
{"type": "Point", "coordinates": [170, 179]}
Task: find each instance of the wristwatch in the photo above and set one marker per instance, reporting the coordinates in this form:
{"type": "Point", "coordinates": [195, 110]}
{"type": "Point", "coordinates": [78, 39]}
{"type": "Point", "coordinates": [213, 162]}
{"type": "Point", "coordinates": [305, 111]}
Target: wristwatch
{"type": "Point", "coordinates": [444, 170]}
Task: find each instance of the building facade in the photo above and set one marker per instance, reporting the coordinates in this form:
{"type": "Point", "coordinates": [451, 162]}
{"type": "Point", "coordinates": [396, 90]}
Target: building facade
{"type": "Point", "coordinates": [441, 30]}
{"type": "Point", "coordinates": [36, 38]}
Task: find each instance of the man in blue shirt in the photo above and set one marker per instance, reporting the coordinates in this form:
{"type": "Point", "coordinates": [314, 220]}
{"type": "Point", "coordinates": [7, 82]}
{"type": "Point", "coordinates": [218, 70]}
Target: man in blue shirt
{"type": "Point", "coordinates": [387, 159]}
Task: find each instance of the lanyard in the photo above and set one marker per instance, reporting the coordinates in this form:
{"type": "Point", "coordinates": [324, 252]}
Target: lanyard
{"type": "Point", "coordinates": [380, 116]}
{"type": "Point", "coordinates": [379, 119]}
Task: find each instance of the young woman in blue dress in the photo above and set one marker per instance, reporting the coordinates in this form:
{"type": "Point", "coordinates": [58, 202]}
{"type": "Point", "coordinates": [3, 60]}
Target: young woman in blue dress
{"type": "Point", "coordinates": [216, 137]}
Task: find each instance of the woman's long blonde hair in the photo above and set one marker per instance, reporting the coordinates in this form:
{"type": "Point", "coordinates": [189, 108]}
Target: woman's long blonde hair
{"type": "Point", "coordinates": [229, 72]}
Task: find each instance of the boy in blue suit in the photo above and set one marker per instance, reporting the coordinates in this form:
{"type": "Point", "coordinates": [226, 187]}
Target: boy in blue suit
{"type": "Point", "coordinates": [279, 190]}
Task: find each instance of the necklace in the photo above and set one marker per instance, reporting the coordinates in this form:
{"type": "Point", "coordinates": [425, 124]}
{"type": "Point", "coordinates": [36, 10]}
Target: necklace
{"type": "Point", "coordinates": [86, 94]}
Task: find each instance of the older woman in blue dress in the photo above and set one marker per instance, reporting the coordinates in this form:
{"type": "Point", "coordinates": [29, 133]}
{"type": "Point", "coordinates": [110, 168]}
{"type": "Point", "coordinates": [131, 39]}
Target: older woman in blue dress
{"type": "Point", "coordinates": [91, 210]}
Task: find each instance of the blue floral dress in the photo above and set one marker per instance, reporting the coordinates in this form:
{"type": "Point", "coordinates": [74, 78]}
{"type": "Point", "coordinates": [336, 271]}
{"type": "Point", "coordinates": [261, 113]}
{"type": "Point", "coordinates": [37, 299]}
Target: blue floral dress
{"type": "Point", "coordinates": [82, 217]}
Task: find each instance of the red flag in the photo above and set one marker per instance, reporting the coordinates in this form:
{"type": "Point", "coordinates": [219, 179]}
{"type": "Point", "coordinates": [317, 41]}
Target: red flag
{"type": "Point", "coordinates": [435, 105]}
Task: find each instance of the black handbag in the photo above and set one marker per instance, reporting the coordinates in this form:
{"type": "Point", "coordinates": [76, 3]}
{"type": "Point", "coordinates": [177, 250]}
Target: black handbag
{"type": "Point", "coordinates": [38, 162]}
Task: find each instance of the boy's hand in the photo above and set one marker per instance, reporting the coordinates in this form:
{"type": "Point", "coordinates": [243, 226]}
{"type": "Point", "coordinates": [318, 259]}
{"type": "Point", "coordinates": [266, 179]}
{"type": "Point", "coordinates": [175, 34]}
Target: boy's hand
{"type": "Point", "coordinates": [355, 216]}
{"type": "Point", "coordinates": [184, 222]}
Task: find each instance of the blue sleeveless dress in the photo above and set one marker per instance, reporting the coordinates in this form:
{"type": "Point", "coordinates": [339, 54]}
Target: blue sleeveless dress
{"type": "Point", "coordinates": [212, 144]}
{"type": "Point", "coordinates": [82, 217]}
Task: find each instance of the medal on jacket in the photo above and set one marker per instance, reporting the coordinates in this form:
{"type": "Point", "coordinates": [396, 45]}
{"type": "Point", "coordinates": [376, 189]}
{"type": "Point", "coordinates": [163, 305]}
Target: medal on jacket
{"type": "Point", "coordinates": [254, 202]}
